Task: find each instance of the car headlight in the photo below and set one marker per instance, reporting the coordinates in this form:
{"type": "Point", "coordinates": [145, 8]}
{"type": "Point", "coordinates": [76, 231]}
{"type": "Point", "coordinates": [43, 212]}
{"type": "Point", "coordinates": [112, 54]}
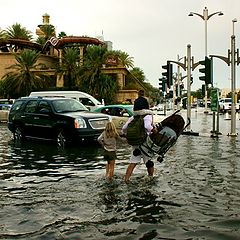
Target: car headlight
{"type": "Point", "coordinates": [80, 123]}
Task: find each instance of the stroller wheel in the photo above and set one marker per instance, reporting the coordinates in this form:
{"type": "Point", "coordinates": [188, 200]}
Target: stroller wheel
{"type": "Point", "coordinates": [160, 159]}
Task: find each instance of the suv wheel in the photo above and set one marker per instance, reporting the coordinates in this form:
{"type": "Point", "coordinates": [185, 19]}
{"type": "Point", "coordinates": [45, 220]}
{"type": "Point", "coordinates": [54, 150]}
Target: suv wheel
{"type": "Point", "coordinates": [18, 134]}
{"type": "Point", "coordinates": [61, 139]}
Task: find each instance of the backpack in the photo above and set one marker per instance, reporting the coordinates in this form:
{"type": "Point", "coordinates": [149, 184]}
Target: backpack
{"type": "Point", "coordinates": [136, 133]}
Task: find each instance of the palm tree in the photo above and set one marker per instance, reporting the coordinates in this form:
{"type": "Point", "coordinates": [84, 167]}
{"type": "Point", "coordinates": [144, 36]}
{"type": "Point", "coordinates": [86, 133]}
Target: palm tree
{"type": "Point", "coordinates": [107, 88]}
{"type": "Point", "coordinates": [16, 31]}
{"type": "Point", "coordinates": [61, 35]}
{"type": "Point", "coordinates": [124, 59]}
{"type": "Point", "coordinates": [41, 40]}
{"type": "Point", "coordinates": [93, 60]}
{"type": "Point", "coordinates": [69, 67]}
{"type": "Point", "coordinates": [48, 31]}
{"type": "Point", "coordinates": [138, 73]}
{"type": "Point", "coordinates": [24, 76]}
{"type": "Point", "coordinates": [3, 35]}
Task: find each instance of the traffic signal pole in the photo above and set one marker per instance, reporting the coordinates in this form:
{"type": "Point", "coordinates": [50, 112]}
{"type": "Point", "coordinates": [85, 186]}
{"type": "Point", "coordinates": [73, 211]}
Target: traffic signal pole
{"type": "Point", "coordinates": [187, 65]}
{"type": "Point", "coordinates": [189, 84]}
{"type": "Point", "coordinates": [233, 84]}
{"type": "Point", "coordinates": [232, 60]}
{"type": "Point", "coordinates": [179, 78]}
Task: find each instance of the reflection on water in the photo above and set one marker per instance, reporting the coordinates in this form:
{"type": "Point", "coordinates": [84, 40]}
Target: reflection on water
{"type": "Point", "coordinates": [47, 193]}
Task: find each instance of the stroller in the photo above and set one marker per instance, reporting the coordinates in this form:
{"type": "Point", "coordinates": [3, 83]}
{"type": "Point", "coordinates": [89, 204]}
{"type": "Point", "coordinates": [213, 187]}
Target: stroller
{"type": "Point", "coordinates": [168, 131]}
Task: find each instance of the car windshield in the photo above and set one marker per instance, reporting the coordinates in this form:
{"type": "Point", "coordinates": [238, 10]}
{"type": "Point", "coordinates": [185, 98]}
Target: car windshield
{"type": "Point", "coordinates": [68, 105]}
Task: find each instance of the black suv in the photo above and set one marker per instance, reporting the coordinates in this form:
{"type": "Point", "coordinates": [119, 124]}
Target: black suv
{"type": "Point", "coordinates": [61, 119]}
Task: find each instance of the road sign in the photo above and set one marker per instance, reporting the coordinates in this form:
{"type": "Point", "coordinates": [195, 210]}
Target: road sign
{"type": "Point", "coordinates": [214, 100]}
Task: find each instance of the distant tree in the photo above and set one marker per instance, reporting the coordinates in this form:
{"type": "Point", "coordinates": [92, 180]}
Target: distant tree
{"type": "Point", "coordinates": [3, 35]}
{"type": "Point", "coordinates": [124, 59]}
{"type": "Point", "coordinates": [61, 35]}
{"type": "Point", "coordinates": [93, 61]}
{"type": "Point", "coordinates": [198, 94]}
{"type": "Point", "coordinates": [155, 96]}
{"type": "Point", "coordinates": [48, 32]}
{"type": "Point", "coordinates": [138, 73]}
{"type": "Point", "coordinates": [107, 88]}
{"type": "Point", "coordinates": [16, 31]}
{"type": "Point", "coordinates": [23, 77]}
{"type": "Point", "coordinates": [41, 40]}
{"type": "Point", "coordinates": [70, 67]}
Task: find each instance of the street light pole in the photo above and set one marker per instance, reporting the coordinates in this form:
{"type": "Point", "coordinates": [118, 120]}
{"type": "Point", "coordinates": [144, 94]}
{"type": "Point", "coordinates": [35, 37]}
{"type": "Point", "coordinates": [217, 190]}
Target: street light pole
{"type": "Point", "coordinates": [233, 82]}
{"type": "Point", "coordinates": [205, 18]}
{"type": "Point", "coordinates": [189, 84]}
{"type": "Point", "coordinates": [179, 78]}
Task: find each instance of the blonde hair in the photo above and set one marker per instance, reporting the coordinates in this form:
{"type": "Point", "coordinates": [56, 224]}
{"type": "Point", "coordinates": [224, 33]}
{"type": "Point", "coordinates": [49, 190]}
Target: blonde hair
{"type": "Point", "coordinates": [110, 130]}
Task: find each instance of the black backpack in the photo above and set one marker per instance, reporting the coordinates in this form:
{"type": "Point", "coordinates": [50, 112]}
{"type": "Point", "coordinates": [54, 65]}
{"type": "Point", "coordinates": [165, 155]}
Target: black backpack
{"type": "Point", "coordinates": [136, 133]}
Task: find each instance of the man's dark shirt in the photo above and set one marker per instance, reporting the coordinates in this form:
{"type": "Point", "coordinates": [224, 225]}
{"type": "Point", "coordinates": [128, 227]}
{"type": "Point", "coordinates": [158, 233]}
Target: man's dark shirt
{"type": "Point", "coordinates": [140, 103]}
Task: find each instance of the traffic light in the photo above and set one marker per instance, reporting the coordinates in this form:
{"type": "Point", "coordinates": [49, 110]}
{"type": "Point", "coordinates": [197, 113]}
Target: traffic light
{"type": "Point", "coordinates": [203, 90]}
{"type": "Point", "coordinates": [168, 74]}
{"type": "Point", "coordinates": [169, 94]}
{"type": "Point", "coordinates": [207, 70]}
{"type": "Point", "coordinates": [162, 84]}
{"type": "Point", "coordinates": [181, 89]}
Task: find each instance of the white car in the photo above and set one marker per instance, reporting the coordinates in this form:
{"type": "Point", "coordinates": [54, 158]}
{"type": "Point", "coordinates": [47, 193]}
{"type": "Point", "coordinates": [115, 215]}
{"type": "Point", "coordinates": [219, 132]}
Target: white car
{"type": "Point", "coordinates": [225, 105]}
{"type": "Point", "coordinates": [121, 112]}
{"type": "Point", "coordinates": [158, 107]}
{"type": "Point", "coordinates": [4, 112]}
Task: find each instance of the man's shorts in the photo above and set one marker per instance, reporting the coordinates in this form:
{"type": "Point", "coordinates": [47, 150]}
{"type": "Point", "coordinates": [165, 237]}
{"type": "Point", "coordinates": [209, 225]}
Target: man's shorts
{"type": "Point", "coordinates": [137, 159]}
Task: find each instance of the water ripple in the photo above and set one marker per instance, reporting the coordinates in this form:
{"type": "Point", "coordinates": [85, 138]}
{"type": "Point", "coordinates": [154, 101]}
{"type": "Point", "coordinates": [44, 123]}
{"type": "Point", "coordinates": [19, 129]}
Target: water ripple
{"type": "Point", "coordinates": [47, 193]}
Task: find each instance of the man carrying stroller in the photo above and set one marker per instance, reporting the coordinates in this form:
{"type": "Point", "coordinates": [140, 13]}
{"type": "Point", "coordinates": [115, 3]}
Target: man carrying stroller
{"type": "Point", "coordinates": [141, 108]}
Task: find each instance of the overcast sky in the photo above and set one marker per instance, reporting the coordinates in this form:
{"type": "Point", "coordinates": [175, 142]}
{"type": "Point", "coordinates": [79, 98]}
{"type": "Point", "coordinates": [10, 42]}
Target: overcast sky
{"type": "Point", "coordinates": [150, 31]}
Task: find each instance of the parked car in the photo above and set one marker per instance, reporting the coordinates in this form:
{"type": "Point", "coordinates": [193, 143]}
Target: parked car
{"type": "Point", "coordinates": [120, 114]}
{"type": "Point", "coordinates": [4, 111]}
{"type": "Point", "coordinates": [5, 105]}
{"type": "Point", "coordinates": [225, 105]}
{"type": "Point", "coordinates": [158, 107]}
{"type": "Point", "coordinates": [61, 119]}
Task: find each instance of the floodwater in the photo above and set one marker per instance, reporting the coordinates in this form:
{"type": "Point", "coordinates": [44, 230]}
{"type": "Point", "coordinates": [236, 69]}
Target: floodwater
{"type": "Point", "coordinates": [46, 193]}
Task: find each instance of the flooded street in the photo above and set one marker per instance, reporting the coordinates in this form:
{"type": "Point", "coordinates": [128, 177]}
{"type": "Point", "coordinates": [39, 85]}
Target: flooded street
{"type": "Point", "coordinates": [46, 193]}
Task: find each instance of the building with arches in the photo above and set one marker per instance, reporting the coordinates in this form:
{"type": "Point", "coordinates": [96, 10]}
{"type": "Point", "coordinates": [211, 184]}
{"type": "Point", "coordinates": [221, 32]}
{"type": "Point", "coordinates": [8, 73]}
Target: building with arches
{"type": "Point", "coordinates": [52, 52]}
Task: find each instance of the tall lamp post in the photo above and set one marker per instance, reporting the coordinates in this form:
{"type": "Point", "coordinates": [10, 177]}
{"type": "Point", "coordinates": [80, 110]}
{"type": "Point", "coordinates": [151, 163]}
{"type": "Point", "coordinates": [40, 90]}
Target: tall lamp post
{"type": "Point", "coordinates": [179, 79]}
{"type": "Point", "coordinates": [205, 18]}
{"type": "Point", "coordinates": [233, 82]}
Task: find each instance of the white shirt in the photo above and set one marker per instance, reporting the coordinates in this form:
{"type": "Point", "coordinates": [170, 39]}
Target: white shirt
{"type": "Point", "coordinates": [148, 124]}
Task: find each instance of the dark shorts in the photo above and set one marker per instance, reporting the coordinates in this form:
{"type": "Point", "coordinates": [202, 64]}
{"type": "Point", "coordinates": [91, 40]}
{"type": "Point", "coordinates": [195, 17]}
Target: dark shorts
{"type": "Point", "coordinates": [109, 155]}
